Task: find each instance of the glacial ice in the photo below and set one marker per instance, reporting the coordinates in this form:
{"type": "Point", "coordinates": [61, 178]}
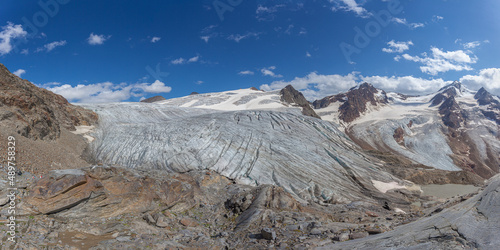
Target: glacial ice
{"type": "Point", "coordinates": [281, 147]}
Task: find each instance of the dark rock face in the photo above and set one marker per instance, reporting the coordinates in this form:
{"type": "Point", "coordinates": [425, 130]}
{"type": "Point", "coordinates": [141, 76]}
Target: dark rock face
{"type": "Point", "coordinates": [399, 135]}
{"type": "Point", "coordinates": [452, 114]}
{"type": "Point", "coordinates": [194, 93]}
{"type": "Point", "coordinates": [37, 113]}
{"type": "Point", "coordinates": [484, 98]}
{"type": "Point", "coordinates": [357, 100]}
{"type": "Point", "coordinates": [154, 99]}
{"type": "Point", "coordinates": [323, 103]}
{"type": "Point", "coordinates": [292, 96]}
{"type": "Point", "coordinates": [354, 101]}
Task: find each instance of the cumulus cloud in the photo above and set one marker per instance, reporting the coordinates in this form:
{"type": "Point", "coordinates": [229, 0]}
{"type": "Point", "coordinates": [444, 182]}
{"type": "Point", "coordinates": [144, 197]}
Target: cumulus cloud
{"type": "Point", "coordinates": [406, 84]}
{"type": "Point", "coordinates": [50, 46]}
{"type": "Point", "coordinates": [441, 61]}
{"type": "Point", "coordinates": [155, 87]}
{"type": "Point", "coordinates": [107, 91]}
{"type": "Point", "coordinates": [488, 78]}
{"type": "Point", "coordinates": [269, 72]}
{"type": "Point", "coordinates": [315, 86]}
{"type": "Point", "coordinates": [97, 39]}
{"type": "Point", "coordinates": [155, 39]}
{"type": "Point", "coordinates": [246, 72]}
{"type": "Point", "coordinates": [8, 33]}
{"type": "Point", "coordinates": [237, 37]}
{"type": "Point", "coordinates": [397, 47]}
{"type": "Point", "coordinates": [19, 72]}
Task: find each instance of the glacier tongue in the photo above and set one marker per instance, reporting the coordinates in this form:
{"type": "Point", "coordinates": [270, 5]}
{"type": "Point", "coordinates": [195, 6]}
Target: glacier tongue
{"type": "Point", "coordinates": [308, 157]}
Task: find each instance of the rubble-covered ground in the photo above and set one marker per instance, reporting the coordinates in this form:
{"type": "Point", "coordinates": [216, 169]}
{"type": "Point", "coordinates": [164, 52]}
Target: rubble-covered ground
{"type": "Point", "coordinates": [103, 207]}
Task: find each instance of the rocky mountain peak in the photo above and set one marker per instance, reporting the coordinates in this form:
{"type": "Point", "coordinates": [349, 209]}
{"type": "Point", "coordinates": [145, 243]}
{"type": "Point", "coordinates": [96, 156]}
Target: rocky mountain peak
{"type": "Point", "coordinates": [291, 96]}
{"type": "Point", "coordinates": [453, 115]}
{"type": "Point", "coordinates": [154, 99]}
{"type": "Point", "coordinates": [484, 97]}
{"type": "Point", "coordinates": [357, 100]}
{"type": "Point", "coordinates": [34, 112]}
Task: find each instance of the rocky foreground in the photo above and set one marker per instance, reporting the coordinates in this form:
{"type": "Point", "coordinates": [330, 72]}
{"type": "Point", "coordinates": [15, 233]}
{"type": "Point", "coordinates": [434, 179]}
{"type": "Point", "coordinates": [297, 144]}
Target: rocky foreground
{"type": "Point", "coordinates": [105, 207]}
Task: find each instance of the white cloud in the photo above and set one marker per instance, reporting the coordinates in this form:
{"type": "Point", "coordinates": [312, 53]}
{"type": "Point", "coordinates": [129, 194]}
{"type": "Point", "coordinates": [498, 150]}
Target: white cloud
{"type": "Point", "coordinates": [178, 61]}
{"type": "Point", "coordinates": [50, 46]}
{"type": "Point", "coordinates": [246, 72]}
{"type": "Point", "coordinates": [308, 54]}
{"type": "Point", "coordinates": [208, 33]}
{"type": "Point", "coordinates": [25, 51]}
{"type": "Point", "coordinates": [437, 18]}
{"type": "Point", "coordinates": [155, 87]}
{"type": "Point", "coordinates": [441, 61]}
{"type": "Point", "coordinates": [349, 5]}
{"type": "Point", "coordinates": [205, 38]}
{"type": "Point", "coordinates": [194, 59]}
{"type": "Point", "coordinates": [315, 86]}
{"type": "Point", "coordinates": [181, 60]}
{"type": "Point", "coordinates": [155, 39]}
{"type": "Point", "coordinates": [19, 72]}
{"type": "Point", "coordinates": [397, 47]}
{"type": "Point", "coordinates": [472, 45]}
{"type": "Point", "coordinates": [199, 82]}
{"type": "Point", "coordinates": [266, 13]}
{"type": "Point", "coordinates": [237, 37]}
{"type": "Point", "coordinates": [405, 84]}
{"type": "Point", "coordinates": [488, 78]}
{"type": "Point", "coordinates": [97, 39]}
{"type": "Point", "coordinates": [107, 91]}
{"type": "Point", "coordinates": [9, 32]}
{"type": "Point", "coordinates": [269, 72]}
{"type": "Point", "coordinates": [404, 22]}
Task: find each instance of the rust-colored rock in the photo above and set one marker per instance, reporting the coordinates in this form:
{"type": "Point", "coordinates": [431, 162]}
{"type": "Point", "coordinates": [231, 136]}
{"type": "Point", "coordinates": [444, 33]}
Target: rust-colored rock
{"type": "Point", "coordinates": [188, 222]}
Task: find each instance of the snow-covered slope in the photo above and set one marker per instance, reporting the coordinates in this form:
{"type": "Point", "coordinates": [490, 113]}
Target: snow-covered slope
{"type": "Point", "coordinates": [453, 129]}
{"type": "Point", "coordinates": [242, 99]}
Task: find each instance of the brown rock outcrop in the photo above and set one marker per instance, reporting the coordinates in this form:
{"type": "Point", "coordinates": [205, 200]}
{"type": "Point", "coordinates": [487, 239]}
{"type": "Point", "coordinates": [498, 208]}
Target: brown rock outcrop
{"type": "Point", "coordinates": [154, 99]}
{"type": "Point", "coordinates": [292, 96]}
{"type": "Point", "coordinates": [109, 191]}
{"type": "Point", "coordinates": [37, 113]}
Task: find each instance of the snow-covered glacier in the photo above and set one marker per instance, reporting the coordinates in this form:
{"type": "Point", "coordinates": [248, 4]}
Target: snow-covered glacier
{"type": "Point", "coordinates": [308, 157]}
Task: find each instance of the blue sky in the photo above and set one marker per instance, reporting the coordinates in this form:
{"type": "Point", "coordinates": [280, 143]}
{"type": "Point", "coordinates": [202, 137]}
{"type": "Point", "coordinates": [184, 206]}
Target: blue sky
{"type": "Point", "coordinates": [98, 51]}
